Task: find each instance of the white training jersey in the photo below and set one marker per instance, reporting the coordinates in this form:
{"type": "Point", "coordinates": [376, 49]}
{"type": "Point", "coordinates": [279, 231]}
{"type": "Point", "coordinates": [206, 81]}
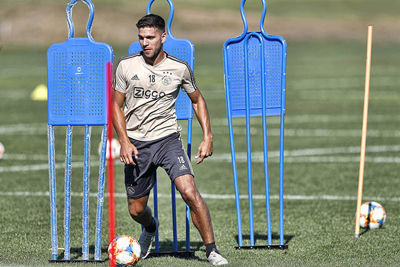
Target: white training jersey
{"type": "Point", "coordinates": [150, 94]}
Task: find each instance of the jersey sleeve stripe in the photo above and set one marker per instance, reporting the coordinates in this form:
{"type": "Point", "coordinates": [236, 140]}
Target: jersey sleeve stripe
{"type": "Point", "coordinates": [187, 66]}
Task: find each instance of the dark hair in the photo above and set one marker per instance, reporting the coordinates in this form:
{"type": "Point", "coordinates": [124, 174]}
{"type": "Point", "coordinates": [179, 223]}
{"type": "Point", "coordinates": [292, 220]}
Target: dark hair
{"type": "Point", "coordinates": [151, 20]}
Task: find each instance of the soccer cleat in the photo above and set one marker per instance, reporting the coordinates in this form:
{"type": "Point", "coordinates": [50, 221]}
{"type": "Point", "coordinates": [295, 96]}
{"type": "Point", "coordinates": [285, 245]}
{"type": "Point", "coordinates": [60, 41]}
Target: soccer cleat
{"type": "Point", "coordinates": [145, 241]}
{"type": "Point", "coordinates": [216, 259]}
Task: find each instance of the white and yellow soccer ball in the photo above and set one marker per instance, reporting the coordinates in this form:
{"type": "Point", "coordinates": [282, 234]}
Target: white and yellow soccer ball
{"type": "Point", "coordinates": [2, 150]}
{"type": "Point", "coordinates": [115, 148]}
{"type": "Point", "coordinates": [124, 251]}
{"type": "Point", "coordinates": [372, 215]}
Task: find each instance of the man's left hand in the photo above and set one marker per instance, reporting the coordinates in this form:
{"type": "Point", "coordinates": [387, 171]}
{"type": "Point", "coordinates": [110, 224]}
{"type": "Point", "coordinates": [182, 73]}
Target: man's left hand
{"type": "Point", "coordinates": [205, 150]}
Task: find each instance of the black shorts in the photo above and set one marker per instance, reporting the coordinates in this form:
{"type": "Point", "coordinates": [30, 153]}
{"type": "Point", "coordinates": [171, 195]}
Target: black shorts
{"type": "Point", "coordinates": [166, 152]}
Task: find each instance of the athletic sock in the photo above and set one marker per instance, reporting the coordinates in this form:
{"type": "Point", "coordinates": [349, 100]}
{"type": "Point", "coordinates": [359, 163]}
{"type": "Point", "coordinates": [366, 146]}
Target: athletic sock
{"type": "Point", "coordinates": [211, 247]}
{"type": "Point", "coordinates": [152, 227]}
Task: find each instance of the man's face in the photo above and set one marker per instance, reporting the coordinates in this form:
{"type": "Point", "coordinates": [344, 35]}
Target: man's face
{"type": "Point", "coordinates": [151, 40]}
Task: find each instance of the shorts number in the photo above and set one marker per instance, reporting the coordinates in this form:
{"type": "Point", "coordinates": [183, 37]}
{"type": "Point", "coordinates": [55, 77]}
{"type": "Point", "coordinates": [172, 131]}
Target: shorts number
{"type": "Point", "coordinates": [181, 160]}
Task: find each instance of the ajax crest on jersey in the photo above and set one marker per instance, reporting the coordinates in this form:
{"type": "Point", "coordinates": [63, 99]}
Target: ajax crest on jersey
{"type": "Point", "coordinates": [372, 215]}
{"type": "Point", "coordinates": [124, 251]}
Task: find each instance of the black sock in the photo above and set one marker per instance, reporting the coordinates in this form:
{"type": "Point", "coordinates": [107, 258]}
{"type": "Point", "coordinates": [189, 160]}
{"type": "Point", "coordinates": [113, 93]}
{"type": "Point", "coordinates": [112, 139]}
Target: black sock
{"type": "Point", "coordinates": [152, 227]}
{"type": "Point", "coordinates": [211, 247]}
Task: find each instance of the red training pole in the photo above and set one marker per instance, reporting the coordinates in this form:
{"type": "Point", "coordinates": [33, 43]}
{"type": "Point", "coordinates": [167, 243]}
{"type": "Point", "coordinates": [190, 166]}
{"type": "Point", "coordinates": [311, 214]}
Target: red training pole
{"type": "Point", "coordinates": [110, 161]}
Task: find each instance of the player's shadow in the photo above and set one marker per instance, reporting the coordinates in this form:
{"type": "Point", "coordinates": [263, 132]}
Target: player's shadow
{"type": "Point", "coordinates": [261, 239]}
{"type": "Point", "coordinates": [166, 249]}
{"type": "Point", "coordinates": [364, 231]}
{"type": "Point", "coordinates": [76, 253]}
{"type": "Point", "coordinates": [168, 245]}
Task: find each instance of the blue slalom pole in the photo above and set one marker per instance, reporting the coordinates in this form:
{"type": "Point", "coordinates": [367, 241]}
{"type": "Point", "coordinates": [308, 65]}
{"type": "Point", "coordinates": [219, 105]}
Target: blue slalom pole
{"type": "Point", "coordinates": [234, 171]}
{"type": "Point", "coordinates": [53, 205]}
{"type": "Point", "coordinates": [232, 146]}
{"type": "Point", "coordinates": [189, 152]}
{"type": "Point", "coordinates": [281, 158]}
{"type": "Point", "coordinates": [67, 203]}
{"type": "Point", "coordinates": [264, 123]}
{"type": "Point", "coordinates": [157, 242]}
{"type": "Point", "coordinates": [281, 234]}
{"type": "Point", "coordinates": [265, 142]}
{"type": "Point", "coordinates": [281, 153]}
{"type": "Point", "coordinates": [248, 143]}
{"type": "Point", "coordinates": [173, 200]}
{"type": "Point", "coordinates": [100, 195]}
{"type": "Point", "coordinates": [86, 175]}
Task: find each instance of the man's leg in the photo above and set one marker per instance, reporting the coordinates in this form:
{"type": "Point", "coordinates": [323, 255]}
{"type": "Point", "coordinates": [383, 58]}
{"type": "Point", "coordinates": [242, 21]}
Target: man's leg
{"type": "Point", "coordinates": [141, 213]}
{"type": "Point", "coordinates": [200, 216]}
{"type": "Point", "coordinates": [198, 207]}
{"type": "Point", "coordinates": [139, 210]}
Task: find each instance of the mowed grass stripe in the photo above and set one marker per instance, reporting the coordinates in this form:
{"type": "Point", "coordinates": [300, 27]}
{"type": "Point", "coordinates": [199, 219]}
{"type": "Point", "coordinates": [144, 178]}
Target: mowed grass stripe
{"type": "Point", "coordinates": [274, 153]}
{"type": "Point", "coordinates": [242, 131]}
{"type": "Point", "coordinates": [210, 196]}
{"type": "Point", "coordinates": [223, 121]}
{"type": "Point", "coordinates": [242, 157]}
{"type": "Point", "coordinates": [319, 232]}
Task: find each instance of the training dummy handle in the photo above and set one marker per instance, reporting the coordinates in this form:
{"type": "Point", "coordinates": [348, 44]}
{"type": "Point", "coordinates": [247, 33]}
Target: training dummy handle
{"type": "Point", "coordinates": [245, 25]}
{"type": "Point", "coordinates": [171, 15]}
{"type": "Point", "coordinates": [71, 29]}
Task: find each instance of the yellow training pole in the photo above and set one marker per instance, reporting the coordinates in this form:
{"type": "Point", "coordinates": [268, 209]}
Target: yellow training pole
{"type": "Point", "coordinates": [364, 132]}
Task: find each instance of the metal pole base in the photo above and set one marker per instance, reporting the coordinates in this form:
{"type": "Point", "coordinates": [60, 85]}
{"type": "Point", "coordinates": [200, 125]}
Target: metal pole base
{"type": "Point", "coordinates": [76, 261]}
{"type": "Point", "coordinates": [177, 254]}
{"type": "Point", "coordinates": [279, 247]}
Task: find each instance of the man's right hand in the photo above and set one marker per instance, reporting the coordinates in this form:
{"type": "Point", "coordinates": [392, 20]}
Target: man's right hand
{"type": "Point", "coordinates": [127, 150]}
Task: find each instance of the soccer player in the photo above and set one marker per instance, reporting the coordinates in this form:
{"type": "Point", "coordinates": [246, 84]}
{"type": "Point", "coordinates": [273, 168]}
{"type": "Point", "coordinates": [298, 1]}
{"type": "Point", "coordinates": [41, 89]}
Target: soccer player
{"type": "Point", "coordinates": [146, 86]}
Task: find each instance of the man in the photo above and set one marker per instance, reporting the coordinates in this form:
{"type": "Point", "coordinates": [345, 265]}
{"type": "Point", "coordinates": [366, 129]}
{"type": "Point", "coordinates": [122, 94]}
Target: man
{"type": "Point", "coordinates": [146, 86]}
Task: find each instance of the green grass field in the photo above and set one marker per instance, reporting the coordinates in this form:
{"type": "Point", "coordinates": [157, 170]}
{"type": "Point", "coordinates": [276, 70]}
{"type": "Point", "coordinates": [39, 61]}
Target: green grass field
{"type": "Point", "coordinates": [323, 127]}
{"type": "Point", "coordinates": [325, 90]}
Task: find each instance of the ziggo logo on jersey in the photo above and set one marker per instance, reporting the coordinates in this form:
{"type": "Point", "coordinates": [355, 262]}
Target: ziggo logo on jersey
{"type": "Point", "coordinates": [139, 92]}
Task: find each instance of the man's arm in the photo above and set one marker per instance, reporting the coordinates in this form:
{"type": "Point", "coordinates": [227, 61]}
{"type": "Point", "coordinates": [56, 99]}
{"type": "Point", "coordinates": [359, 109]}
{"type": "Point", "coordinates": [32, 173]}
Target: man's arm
{"type": "Point", "coordinates": [127, 148]}
{"type": "Point", "coordinates": [200, 108]}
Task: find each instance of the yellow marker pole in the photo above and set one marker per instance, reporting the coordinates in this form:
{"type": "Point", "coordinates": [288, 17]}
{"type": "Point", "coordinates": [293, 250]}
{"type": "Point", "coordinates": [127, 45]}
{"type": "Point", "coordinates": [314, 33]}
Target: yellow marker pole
{"type": "Point", "coordinates": [364, 132]}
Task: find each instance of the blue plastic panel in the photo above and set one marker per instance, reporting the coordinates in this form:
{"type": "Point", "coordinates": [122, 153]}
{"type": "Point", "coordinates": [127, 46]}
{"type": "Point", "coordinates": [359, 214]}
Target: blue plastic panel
{"type": "Point", "coordinates": [77, 82]}
{"type": "Point", "coordinates": [235, 71]}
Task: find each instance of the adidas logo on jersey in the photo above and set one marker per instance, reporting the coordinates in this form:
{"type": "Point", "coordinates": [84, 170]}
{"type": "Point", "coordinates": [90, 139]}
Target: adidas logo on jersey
{"type": "Point", "coordinates": [135, 78]}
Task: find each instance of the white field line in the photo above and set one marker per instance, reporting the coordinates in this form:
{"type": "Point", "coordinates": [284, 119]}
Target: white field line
{"type": "Point", "coordinates": [41, 128]}
{"type": "Point", "coordinates": [43, 157]}
{"type": "Point", "coordinates": [334, 83]}
{"type": "Point", "coordinates": [308, 155]}
{"type": "Point", "coordinates": [41, 167]}
{"type": "Point", "coordinates": [255, 154]}
{"type": "Point", "coordinates": [242, 131]}
{"type": "Point", "coordinates": [38, 129]}
{"type": "Point", "coordinates": [225, 158]}
{"type": "Point", "coordinates": [291, 156]}
{"type": "Point", "coordinates": [30, 129]}
{"type": "Point", "coordinates": [218, 122]}
{"type": "Point", "coordinates": [12, 94]}
{"type": "Point", "coordinates": [209, 196]}
{"type": "Point", "coordinates": [313, 132]}
{"type": "Point", "coordinates": [242, 157]}
{"type": "Point", "coordinates": [338, 83]}
{"type": "Point", "coordinates": [307, 119]}
{"type": "Point", "coordinates": [343, 160]}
